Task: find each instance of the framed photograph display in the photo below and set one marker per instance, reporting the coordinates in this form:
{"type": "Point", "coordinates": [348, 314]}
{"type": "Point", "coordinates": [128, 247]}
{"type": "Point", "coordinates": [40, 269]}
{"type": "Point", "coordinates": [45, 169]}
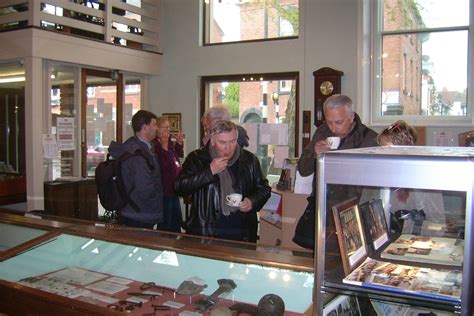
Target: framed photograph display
{"type": "Point", "coordinates": [350, 235]}
{"type": "Point", "coordinates": [375, 224]}
{"type": "Point", "coordinates": [175, 121]}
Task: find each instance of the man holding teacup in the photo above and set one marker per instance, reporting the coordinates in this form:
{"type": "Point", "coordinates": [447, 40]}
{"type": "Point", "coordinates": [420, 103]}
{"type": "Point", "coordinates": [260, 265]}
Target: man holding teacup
{"type": "Point", "coordinates": [342, 129]}
{"type": "Point", "coordinates": [227, 187]}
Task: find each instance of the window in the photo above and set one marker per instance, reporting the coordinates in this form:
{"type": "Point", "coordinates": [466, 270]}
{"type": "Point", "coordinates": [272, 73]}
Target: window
{"type": "Point", "coordinates": [253, 100]}
{"type": "Point", "coordinates": [249, 20]}
{"type": "Point", "coordinates": [422, 71]}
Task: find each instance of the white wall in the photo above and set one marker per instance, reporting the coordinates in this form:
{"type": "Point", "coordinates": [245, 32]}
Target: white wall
{"type": "Point", "coordinates": [185, 60]}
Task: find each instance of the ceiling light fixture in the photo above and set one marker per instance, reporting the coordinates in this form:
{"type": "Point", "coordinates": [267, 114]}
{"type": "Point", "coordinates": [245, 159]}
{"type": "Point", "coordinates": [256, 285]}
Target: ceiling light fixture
{"type": "Point", "coordinates": [12, 79]}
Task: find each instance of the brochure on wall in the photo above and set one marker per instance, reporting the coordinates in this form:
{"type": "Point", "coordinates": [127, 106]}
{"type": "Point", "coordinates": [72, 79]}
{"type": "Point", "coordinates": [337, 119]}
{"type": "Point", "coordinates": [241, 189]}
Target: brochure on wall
{"type": "Point", "coordinates": [440, 250]}
{"type": "Point", "coordinates": [65, 133]}
{"type": "Point", "coordinates": [432, 283]}
{"type": "Point", "coordinates": [50, 146]}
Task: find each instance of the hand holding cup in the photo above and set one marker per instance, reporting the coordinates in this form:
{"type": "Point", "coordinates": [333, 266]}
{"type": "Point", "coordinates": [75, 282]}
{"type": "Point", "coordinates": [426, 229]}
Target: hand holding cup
{"type": "Point", "coordinates": [333, 142]}
{"type": "Point", "coordinates": [234, 199]}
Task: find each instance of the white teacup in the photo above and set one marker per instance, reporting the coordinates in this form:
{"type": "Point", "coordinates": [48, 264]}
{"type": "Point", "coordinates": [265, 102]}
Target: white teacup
{"type": "Point", "coordinates": [333, 142]}
{"type": "Point", "coordinates": [234, 199]}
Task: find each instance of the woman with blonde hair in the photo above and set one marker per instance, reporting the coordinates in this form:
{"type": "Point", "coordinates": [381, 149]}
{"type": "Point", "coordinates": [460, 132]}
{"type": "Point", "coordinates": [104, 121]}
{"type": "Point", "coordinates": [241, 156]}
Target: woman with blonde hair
{"type": "Point", "coordinates": [399, 133]}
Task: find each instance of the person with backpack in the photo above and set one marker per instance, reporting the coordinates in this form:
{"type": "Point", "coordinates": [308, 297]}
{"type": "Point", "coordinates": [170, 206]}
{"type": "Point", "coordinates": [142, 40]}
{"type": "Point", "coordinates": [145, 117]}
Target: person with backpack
{"type": "Point", "coordinates": [140, 174]}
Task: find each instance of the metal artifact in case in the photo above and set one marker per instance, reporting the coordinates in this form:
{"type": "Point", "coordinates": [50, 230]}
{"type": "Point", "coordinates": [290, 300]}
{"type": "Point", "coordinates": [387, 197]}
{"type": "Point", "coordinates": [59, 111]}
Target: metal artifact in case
{"type": "Point", "coordinates": [425, 263]}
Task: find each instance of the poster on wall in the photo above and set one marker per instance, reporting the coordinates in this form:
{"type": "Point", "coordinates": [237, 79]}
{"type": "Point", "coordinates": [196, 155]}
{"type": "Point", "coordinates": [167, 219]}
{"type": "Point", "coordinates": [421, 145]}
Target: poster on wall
{"type": "Point", "coordinates": [65, 133]}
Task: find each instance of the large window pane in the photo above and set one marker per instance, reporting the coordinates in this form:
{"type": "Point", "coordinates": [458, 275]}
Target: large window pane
{"type": "Point", "coordinates": [423, 51]}
{"type": "Point", "coordinates": [101, 119]}
{"type": "Point", "coordinates": [419, 14]}
{"type": "Point", "coordinates": [236, 20]}
{"type": "Point", "coordinates": [260, 105]}
{"type": "Point", "coordinates": [425, 74]}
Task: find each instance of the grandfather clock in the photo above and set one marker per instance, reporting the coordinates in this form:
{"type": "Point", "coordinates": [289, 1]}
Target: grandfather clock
{"type": "Point", "coordinates": [327, 81]}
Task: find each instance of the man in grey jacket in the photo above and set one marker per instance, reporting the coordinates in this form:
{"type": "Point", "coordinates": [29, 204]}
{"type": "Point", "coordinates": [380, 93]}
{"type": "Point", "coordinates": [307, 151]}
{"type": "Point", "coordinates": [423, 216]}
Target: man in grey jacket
{"type": "Point", "coordinates": [141, 174]}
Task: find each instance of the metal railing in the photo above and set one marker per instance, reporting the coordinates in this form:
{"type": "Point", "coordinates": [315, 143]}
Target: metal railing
{"type": "Point", "coordinates": [131, 23]}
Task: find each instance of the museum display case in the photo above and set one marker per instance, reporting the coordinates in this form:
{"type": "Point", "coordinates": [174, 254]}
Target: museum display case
{"type": "Point", "coordinates": [393, 231]}
{"type": "Point", "coordinates": [84, 269]}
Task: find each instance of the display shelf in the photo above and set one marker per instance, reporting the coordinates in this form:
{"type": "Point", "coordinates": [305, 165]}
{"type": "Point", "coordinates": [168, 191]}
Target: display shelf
{"type": "Point", "coordinates": [409, 177]}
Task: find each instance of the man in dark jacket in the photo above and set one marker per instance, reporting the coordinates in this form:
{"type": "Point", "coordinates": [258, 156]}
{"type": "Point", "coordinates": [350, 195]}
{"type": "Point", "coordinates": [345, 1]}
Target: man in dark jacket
{"type": "Point", "coordinates": [141, 174]}
{"type": "Point", "coordinates": [213, 172]}
{"type": "Point", "coordinates": [343, 122]}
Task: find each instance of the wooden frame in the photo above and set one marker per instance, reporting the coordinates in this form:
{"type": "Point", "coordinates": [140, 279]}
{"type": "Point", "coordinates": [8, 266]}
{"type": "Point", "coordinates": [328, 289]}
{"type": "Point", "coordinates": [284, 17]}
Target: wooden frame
{"type": "Point", "coordinates": [375, 224]}
{"type": "Point", "coordinates": [350, 235]}
{"type": "Point", "coordinates": [175, 121]}
{"type": "Point", "coordinates": [466, 139]}
{"type": "Point", "coordinates": [206, 80]}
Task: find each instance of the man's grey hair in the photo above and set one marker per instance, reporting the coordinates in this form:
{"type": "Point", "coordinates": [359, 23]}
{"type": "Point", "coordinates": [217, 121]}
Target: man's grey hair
{"type": "Point", "coordinates": [216, 113]}
{"type": "Point", "coordinates": [338, 100]}
{"type": "Point", "coordinates": [223, 126]}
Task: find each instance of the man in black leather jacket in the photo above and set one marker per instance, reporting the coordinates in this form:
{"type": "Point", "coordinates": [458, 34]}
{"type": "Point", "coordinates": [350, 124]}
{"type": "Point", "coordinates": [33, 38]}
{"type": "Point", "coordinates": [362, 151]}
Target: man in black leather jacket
{"type": "Point", "coordinates": [212, 172]}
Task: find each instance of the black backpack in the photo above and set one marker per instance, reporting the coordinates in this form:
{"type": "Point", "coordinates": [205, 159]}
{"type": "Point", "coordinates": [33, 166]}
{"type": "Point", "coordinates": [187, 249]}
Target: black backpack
{"type": "Point", "coordinates": [110, 186]}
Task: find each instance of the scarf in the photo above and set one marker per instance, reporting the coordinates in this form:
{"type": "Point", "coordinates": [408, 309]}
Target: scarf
{"type": "Point", "coordinates": [226, 181]}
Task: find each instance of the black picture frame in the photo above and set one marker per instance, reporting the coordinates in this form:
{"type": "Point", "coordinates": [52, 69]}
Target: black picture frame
{"type": "Point", "coordinates": [375, 224]}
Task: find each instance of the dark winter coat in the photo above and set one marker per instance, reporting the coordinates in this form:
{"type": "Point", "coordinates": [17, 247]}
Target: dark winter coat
{"type": "Point", "coordinates": [143, 183]}
{"type": "Point", "coordinates": [196, 179]}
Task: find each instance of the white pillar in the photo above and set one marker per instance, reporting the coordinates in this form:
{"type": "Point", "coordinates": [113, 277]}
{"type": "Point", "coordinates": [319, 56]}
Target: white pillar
{"type": "Point", "coordinates": [34, 129]}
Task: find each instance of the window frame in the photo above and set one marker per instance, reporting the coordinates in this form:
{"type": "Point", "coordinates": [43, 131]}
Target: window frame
{"type": "Point", "coordinates": [205, 80]}
{"type": "Point", "coordinates": [205, 25]}
{"type": "Point", "coordinates": [371, 21]}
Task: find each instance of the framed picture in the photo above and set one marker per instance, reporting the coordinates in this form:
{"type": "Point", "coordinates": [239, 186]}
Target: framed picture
{"type": "Point", "coordinates": [175, 121]}
{"type": "Point", "coordinates": [350, 235]}
{"type": "Point", "coordinates": [342, 305]}
{"type": "Point", "coordinates": [466, 139]}
{"type": "Point", "coordinates": [375, 224]}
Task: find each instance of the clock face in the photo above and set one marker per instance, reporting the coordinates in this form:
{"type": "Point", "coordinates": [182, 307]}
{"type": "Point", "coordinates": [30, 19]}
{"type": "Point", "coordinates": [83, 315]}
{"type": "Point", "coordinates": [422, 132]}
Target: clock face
{"type": "Point", "coordinates": [326, 87]}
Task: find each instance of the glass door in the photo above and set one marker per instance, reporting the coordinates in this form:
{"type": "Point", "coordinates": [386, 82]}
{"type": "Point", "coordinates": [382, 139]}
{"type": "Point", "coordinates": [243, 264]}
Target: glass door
{"type": "Point", "coordinates": [102, 99]}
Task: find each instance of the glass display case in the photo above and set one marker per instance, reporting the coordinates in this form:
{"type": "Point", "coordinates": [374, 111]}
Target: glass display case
{"type": "Point", "coordinates": [393, 231]}
{"type": "Point", "coordinates": [86, 269]}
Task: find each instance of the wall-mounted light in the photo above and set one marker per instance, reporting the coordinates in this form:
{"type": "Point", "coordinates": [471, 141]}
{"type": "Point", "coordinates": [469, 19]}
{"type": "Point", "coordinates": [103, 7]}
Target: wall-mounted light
{"type": "Point", "coordinates": [275, 97]}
